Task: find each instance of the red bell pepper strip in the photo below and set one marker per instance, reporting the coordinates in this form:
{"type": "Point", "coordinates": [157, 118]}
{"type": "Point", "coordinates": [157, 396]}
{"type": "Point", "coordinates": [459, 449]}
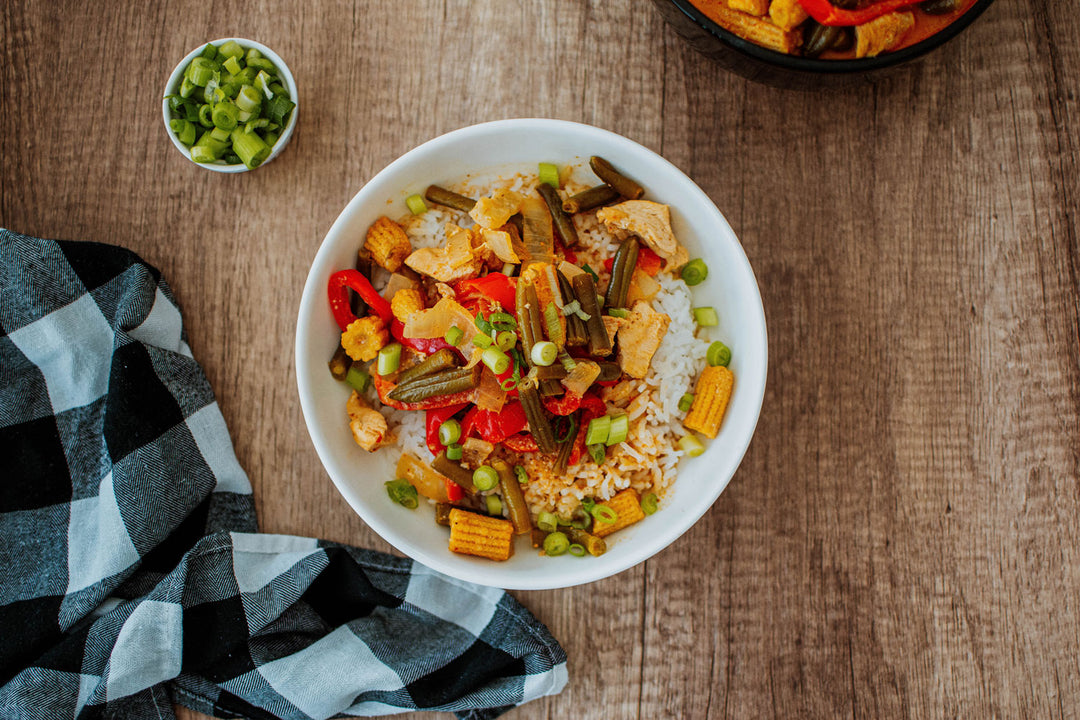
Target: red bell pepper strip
{"type": "Point", "coordinates": [648, 262]}
{"type": "Point", "coordinates": [493, 286]}
{"type": "Point", "coordinates": [454, 492]}
{"type": "Point", "coordinates": [384, 386]}
{"type": "Point", "coordinates": [435, 418]}
{"type": "Point", "coordinates": [570, 402]}
{"type": "Point", "coordinates": [824, 12]}
{"type": "Point", "coordinates": [495, 426]}
{"type": "Point", "coordinates": [420, 345]}
{"type": "Point", "coordinates": [338, 292]}
{"type": "Point", "coordinates": [567, 253]}
{"type": "Point", "coordinates": [522, 442]}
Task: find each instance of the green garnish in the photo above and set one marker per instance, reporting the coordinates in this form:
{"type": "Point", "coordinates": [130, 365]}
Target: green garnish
{"type": "Point", "coordinates": [547, 522]}
{"type": "Point", "coordinates": [556, 543]}
{"type": "Point", "coordinates": [416, 204]}
{"type": "Point", "coordinates": [706, 317]}
{"type": "Point", "coordinates": [694, 272]}
{"type": "Point", "coordinates": [649, 503]}
{"type": "Point", "coordinates": [357, 378]}
{"type": "Point", "coordinates": [453, 451]}
{"type": "Point", "coordinates": [691, 445]}
{"type": "Point", "coordinates": [449, 432]}
{"type": "Point", "coordinates": [453, 336]}
{"type": "Point", "coordinates": [685, 402]}
{"type": "Point", "coordinates": [549, 174]}
{"type": "Point", "coordinates": [485, 477]}
{"type": "Point", "coordinates": [604, 514]}
{"type": "Point", "coordinates": [389, 359]}
{"type": "Point", "coordinates": [402, 492]}
{"type": "Point", "coordinates": [718, 354]}
{"type": "Point", "coordinates": [494, 505]}
{"type": "Point", "coordinates": [544, 353]}
{"type": "Point", "coordinates": [619, 429]}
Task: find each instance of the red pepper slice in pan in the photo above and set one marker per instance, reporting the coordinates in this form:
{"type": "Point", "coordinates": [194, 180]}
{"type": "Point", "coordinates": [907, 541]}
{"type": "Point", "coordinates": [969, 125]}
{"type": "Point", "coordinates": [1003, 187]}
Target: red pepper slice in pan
{"type": "Point", "coordinates": [826, 13]}
{"type": "Point", "coordinates": [338, 292]}
{"type": "Point", "coordinates": [522, 442]}
{"type": "Point", "coordinates": [570, 402]}
{"type": "Point", "coordinates": [493, 286]}
{"type": "Point", "coordinates": [454, 492]}
{"type": "Point", "coordinates": [435, 418]}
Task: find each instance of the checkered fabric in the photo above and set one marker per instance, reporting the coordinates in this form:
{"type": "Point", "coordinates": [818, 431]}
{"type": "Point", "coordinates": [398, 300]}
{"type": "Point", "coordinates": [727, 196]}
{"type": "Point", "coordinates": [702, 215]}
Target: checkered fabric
{"type": "Point", "coordinates": [131, 572]}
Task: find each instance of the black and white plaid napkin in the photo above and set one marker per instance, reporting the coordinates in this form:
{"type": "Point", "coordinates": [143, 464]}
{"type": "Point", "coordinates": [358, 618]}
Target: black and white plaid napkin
{"type": "Point", "coordinates": [131, 572]}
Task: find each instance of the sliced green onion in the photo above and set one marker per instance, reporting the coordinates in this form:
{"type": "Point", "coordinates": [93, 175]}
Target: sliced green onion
{"type": "Point", "coordinates": [576, 550]}
{"type": "Point", "coordinates": [250, 148]}
{"type": "Point", "coordinates": [231, 49]}
{"type": "Point", "coordinates": [592, 272]}
{"type": "Point", "coordinates": [554, 328]}
{"type": "Point", "coordinates": [453, 451]}
{"type": "Point", "coordinates": [232, 65]}
{"type": "Point", "coordinates": [494, 505]}
{"type": "Point", "coordinates": [225, 115]}
{"type": "Point", "coordinates": [209, 52]}
{"type": "Point", "coordinates": [598, 452]}
{"type": "Point", "coordinates": [219, 134]}
{"type": "Point", "coordinates": [597, 432]}
{"type": "Point", "coordinates": [248, 99]}
{"type": "Point", "coordinates": [358, 378]}
{"type": "Point", "coordinates": [453, 336]}
{"type": "Point", "coordinates": [206, 118]}
{"type": "Point", "coordinates": [450, 432]}
{"type": "Point", "coordinates": [506, 340]}
{"type": "Point", "coordinates": [686, 402]}
{"type": "Point", "coordinates": [549, 174]}
{"type": "Point", "coordinates": [691, 445]}
{"type": "Point", "coordinates": [252, 125]}
{"type": "Point", "coordinates": [279, 108]}
{"type": "Point", "coordinates": [544, 353]}
{"type": "Point", "coordinates": [706, 316]}
{"type": "Point", "coordinates": [649, 503]}
{"type": "Point", "coordinates": [502, 321]}
{"type": "Point", "coordinates": [202, 154]}
{"type": "Point", "coordinates": [270, 138]}
{"type": "Point", "coordinates": [620, 428]}
{"type": "Point", "coordinates": [389, 359]}
{"type": "Point", "coordinates": [187, 88]}
{"type": "Point", "coordinates": [619, 312]}
{"type": "Point", "coordinates": [253, 53]}
{"type": "Point", "coordinates": [718, 354]}
{"type": "Point", "coordinates": [587, 504]}
{"type": "Point", "coordinates": [496, 360]}
{"type": "Point", "coordinates": [694, 272]}
{"type": "Point", "coordinates": [264, 82]}
{"type": "Point", "coordinates": [262, 64]}
{"type": "Point", "coordinates": [277, 89]}
{"type": "Point", "coordinates": [200, 71]}
{"type": "Point", "coordinates": [571, 308]}
{"type": "Point", "coordinates": [482, 341]}
{"type": "Point", "coordinates": [568, 362]}
{"type": "Point", "coordinates": [547, 522]}
{"type": "Point", "coordinates": [402, 492]}
{"type": "Point", "coordinates": [604, 514]}
{"type": "Point", "coordinates": [556, 543]}
{"type": "Point", "coordinates": [416, 204]}
{"type": "Point", "coordinates": [507, 384]}
{"type": "Point", "coordinates": [485, 477]}
{"type": "Point", "coordinates": [483, 325]}
{"type": "Point", "coordinates": [185, 131]}
{"type": "Point", "coordinates": [522, 475]}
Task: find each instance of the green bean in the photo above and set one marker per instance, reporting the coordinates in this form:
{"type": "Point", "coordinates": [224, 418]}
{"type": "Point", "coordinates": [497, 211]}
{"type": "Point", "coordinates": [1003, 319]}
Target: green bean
{"type": "Point", "coordinates": [939, 7]}
{"type": "Point", "coordinates": [510, 489]}
{"type": "Point", "coordinates": [539, 425]}
{"type": "Point", "coordinates": [821, 38]}
{"type": "Point", "coordinates": [339, 363]}
{"type": "Point", "coordinates": [622, 270]}
{"type": "Point", "coordinates": [624, 185]}
{"type": "Point", "coordinates": [567, 447]}
{"type": "Point", "coordinates": [449, 198]}
{"type": "Point", "coordinates": [594, 197]}
{"type": "Point", "coordinates": [440, 360]}
{"type": "Point", "coordinates": [608, 371]}
{"type": "Point", "coordinates": [594, 544]}
{"type": "Point", "coordinates": [552, 372]}
{"type": "Point", "coordinates": [445, 466]}
{"type": "Point", "coordinates": [575, 327]}
{"type": "Point", "coordinates": [585, 292]}
{"type": "Point", "coordinates": [446, 382]}
{"type": "Point", "coordinates": [536, 232]}
{"type": "Point", "coordinates": [563, 224]}
{"type": "Point", "coordinates": [530, 322]}
{"type": "Point", "coordinates": [548, 388]}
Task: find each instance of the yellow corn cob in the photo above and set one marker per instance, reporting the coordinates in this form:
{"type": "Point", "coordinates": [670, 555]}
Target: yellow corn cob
{"type": "Point", "coordinates": [472, 534]}
{"type": "Point", "coordinates": [406, 301]}
{"type": "Point", "coordinates": [364, 338]}
{"type": "Point", "coordinates": [387, 243]}
{"type": "Point", "coordinates": [751, 7]}
{"type": "Point", "coordinates": [755, 29]}
{"type": "Point", "coordinates": [711, 396]}
{"type": "Point", "coordinates": [627, 507]}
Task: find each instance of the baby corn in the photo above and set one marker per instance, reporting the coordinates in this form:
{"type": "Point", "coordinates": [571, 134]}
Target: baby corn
{"type": "Point", "coordinates": [406, 301]}
{"type": "Point", "coordinates": [364, 338]}
{"type": "Point", "coordinates": [472, 534]}
{"type": "Point", "coordinates": [387, 243]}
{"type": "Point", "coordinates": [627, 508]}
{"type": "Point", "coordinates": [711, 396]}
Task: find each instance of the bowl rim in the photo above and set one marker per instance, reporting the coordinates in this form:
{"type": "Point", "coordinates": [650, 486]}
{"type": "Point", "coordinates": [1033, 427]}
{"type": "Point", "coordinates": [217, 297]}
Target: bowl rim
{"type": "Point", "coordinates": [290, 83]}
{"type": "Point", "coordinates": [313, 292]}
{"type": "Point", "coordinates": [812, 66]}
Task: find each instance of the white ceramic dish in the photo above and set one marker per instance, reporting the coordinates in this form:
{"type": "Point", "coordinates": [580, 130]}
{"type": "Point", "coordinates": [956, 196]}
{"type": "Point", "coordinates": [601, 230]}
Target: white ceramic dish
{"type": "Point", "coordinates": [286, 78]}
{"type": "Point", "coordinates": [730, 287]}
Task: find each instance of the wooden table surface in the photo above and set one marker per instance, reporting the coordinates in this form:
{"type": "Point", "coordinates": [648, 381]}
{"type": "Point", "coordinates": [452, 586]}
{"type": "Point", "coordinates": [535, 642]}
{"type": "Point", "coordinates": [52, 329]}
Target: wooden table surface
{"type": "Point", "coordinates": [901, 539]}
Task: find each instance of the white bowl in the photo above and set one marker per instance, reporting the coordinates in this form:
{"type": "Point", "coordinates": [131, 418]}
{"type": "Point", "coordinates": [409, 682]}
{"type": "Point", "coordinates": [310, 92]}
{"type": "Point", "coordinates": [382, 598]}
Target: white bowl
{"type": "Point", "coordinates": [286, 77]}
{"type": "Point", "coordinates": [730, 287]}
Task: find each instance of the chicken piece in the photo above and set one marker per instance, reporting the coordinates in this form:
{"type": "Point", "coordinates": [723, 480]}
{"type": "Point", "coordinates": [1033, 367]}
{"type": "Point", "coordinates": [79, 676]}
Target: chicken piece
{"type": "Point", "coordinates": [475, 451]}
{"type": "Point", "coordinates": [640, 337]}
{"type": "Point", "coordinates": [493, 212]}
{"type": "Point", "coordinates": [455, 261]}
{"type": "Point", "coordinates": [612, 324]}
{"type": "Point", "coordinates": [651, 221]}
{"type": "Point", "coordinates": [367, 424]}
{"type": "Point", "coordinates": [387, 243]}
{"type": "Point", "coordinates": [753, 7]}
{"type": "Point", "coordinates": [500, 244]}
{"type": "Point", "coordinates": [407, 301]}
{"type": "Point", "coordinates": [787, 14]}
{"type": "Point", "coordinates": [364, 338]}
{"type": "Point", "coordinates": [484, 251]}
{"type": "Point", "coordinates": [882, 33]}
{"type": "Point", "coordinates": [445, 291]}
